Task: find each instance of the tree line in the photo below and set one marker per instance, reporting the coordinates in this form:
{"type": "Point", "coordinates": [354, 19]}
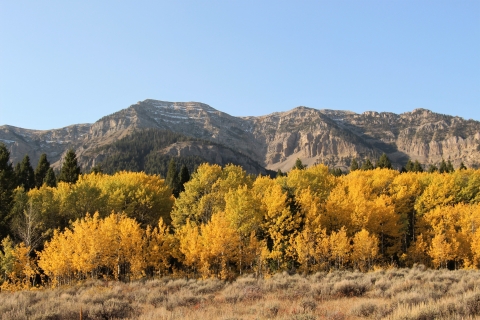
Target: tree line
{"type": "Point", "coordinates": [223, 222]}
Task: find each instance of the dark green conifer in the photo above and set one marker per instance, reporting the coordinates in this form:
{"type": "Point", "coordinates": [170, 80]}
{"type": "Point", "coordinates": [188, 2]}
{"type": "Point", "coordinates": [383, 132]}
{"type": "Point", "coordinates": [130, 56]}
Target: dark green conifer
{"type": "Point", "coordinates": [70, 169]}
{"type": "Point", "coordinates": [462, 166]}
{"type": "Point", "coordinates": [183, 177]}
{"type": "Point", "coordinates": [41, 170]}
{"type": "Point", "coordinates": [354, 165]}
{"type": "Point", "coordinates": [417, 167]}
{"type": "Point", "coordinates": [409, 166]}
{"type": "Point", "coordinates": [450, 166]}
{"type": "Point", "coordinates": [432, 168]}
{"type": "Point", "coordinates": [443, 167]}
{"type": "Point", "coordinates": [279, 173]}
{"type": "Point", "coordinates": [384, 162]}
{"type": "Point", "coordinates": [299, 165]}
{"type": "Point", "coordinates": [50, 180]}
{"type": "Point", "coordinates": [172, 179]}
{"type": "Point", "coordinates": [7, 185]}
{"type": "Point", "coordinates": [25, 174]}
{"type": "Point", "coordinates": [367, 165]}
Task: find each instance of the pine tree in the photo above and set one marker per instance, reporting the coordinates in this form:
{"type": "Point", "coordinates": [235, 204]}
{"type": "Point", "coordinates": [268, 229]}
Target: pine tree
{"type": "Point", "coordinates": [383, 162]}
{"type": "Point", "coordinates": [409, 166]}
{"type": "Point", "coordinates": [443, 167]}
{"type": "Point", "coordinates": [41, 170]}
{"type": "Point", "coordinates": [299, 165]}
{"type": "Point", "coordinates": [432, 168]}
{"type": "Point", "coordinates": [462, 166]}
{"type": "Point", "coordinates": [279, 173]}
{"type": "Point", "coordinates": [50, 180]}
{"type": "Point", "coordinates": [450, 166]}
{"type": "Point", "coordinates": [25, 174]}
{"type": "Point", "coordinates": [7, 184]}
{"type": "Point", "coordinates": [417, 167]}
{"type": "Point", "coordinates": [354, 165]}
{"type": "Point", "coordinates": [367, 165]}
{"type": "Point", "coordinates": [172, 179]}
{"type": "Point", "coordinates": [183, 177]}
{"type": "Point", "coordinates": [70, 170]}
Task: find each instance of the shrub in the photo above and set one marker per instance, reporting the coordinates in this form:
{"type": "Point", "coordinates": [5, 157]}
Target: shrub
{"type": "Point", "coordinates": [350, 288]}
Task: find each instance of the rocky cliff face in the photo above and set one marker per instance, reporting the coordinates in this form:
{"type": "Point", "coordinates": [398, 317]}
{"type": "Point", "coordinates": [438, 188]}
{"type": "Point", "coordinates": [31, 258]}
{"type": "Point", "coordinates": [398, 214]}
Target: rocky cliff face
{"type": "Point", "coordinates": [275, 140]}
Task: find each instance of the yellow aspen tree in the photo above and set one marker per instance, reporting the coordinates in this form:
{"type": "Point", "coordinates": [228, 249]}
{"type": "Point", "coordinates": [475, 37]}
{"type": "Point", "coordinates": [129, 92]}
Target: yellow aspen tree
{"type": "Point", "coordinates": [87, 246]}
{"type": "Point", "coordinates": [441, 250]}
{"type": "Point", "coordinates": [475, 247]}
{"type": "Point", "coordinates": [404, 191]}
{"type": "Point", "coordinates": [190, 246]}
{"type": "Point", "coordinates": [364, 249]}
{"type": "Point", "coordinates": [441, 191]}
{"type": "Point", "coordinates": [56, 258]}
{"type": "Point", "coordinates": [220, 244]}
{"type": "Point", "coordinates": [418, 252]}
{"type": "Point", "coordinates": [7, 258]}
{"type": "Point", "coordinates": [280, 224]}
{"type": "Point", "coordinates": [317, 178]}
{"type": "Point", "coordinates": [338, 208]}
{"type": "Point", "coordinates": [158, 248]}
{"type": "Point", "coordinates": [144, 197]}
{"type": "Point", "coordinates": [124, 252]}
{"type": "Point", "coordinates": [305, 248]}
{"type": "Point", "coordinates": [339, 247]}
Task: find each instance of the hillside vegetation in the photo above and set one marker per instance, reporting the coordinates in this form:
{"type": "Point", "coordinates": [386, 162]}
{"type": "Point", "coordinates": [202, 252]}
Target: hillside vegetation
{"type": "Point", "coordinates": [227, 223]}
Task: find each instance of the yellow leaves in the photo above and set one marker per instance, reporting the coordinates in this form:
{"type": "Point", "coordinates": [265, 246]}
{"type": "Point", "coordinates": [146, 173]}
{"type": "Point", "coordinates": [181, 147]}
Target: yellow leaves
{"type": "Point", "coordinates": [442, 250]}
{"type": "Point", "coordinates": [116, 243]}
{"type": "Point", "coordinates": [141, 196]}
{"type": "Point", "coordinates": [243, 210]}
{"type": "Point", "coordinates": [205, 193]}
{"type": "Point", "coordinates": [364, 249]}
{"type": "Point", "coordinates": [18, 267]}
{"type": "Point", "coordinates": [212, 248]}
{"type": "Point", "coordinates": [340, 247]}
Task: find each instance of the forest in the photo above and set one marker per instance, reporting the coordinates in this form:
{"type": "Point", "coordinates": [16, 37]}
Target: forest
{"type": "Point", "coordinates": [222, 223]}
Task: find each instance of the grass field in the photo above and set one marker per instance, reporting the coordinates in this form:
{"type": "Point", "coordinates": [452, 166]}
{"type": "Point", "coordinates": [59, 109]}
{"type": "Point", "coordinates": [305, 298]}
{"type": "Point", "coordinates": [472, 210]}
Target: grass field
{"type": "Point", "coordinates": [414, 293]}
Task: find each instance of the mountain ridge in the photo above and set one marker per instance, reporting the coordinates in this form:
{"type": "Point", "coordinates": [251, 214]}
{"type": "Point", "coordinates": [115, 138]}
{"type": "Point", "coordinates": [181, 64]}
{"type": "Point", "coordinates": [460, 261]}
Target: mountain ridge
{"type": "Point", "coordinates": [275, 141]}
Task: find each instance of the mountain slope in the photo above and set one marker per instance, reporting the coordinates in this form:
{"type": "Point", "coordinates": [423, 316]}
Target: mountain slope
{"type": "Point", "coordinates": [274, 141]}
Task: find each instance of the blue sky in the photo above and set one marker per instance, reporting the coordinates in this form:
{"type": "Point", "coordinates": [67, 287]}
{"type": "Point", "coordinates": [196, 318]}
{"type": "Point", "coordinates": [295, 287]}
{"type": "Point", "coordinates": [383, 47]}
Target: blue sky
{"type": "Point", "coordinates": [66, 62]}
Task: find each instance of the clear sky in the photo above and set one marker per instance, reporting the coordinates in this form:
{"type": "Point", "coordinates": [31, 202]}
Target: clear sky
{"type": "Point", "coordinates": [65, 62]}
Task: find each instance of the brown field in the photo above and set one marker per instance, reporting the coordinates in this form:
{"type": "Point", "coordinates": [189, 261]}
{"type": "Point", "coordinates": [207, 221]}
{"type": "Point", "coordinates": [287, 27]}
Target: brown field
{"type": "Point", "coordinates": [414, 293]}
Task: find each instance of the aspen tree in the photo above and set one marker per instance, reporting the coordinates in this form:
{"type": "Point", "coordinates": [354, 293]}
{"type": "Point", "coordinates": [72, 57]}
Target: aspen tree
{"type": "Point", "coordinates": [364, 249]}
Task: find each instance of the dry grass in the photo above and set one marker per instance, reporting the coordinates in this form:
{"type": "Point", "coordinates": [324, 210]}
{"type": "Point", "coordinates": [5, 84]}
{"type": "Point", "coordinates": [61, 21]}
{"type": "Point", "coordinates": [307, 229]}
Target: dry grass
{"type": "Point", "coordinates": [388, 294]}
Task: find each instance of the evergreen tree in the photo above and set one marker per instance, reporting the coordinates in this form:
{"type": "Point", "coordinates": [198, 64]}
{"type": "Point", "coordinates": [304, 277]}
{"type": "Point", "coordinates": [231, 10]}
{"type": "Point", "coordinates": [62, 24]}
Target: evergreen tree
{"type": "Point", "coordinates": [383, 162]}
{"type": "Point", "coordinates": [50, 179]}
{"type": "Point", "coordinates": [337, 172]}
{"type": "Point", "coordinates": [183, 177]}
{"type": "Point", "coordinates": [7, 185]}
{"type": "Point", "coordinates": [25, 174]}
{"type": "Point", "coordinates": [367, 165]}
{"type": "Point", "coordinates": [417, 167]}
{"type": "Point", "coordinates": [432, 168]}
{"type": "Point", "coordinates": [409, 166]}
{"type": "Point", "coordinates": [279, 173]}
{"type": "Point", "coordinates": [299, 165]}
{"type": "Point", "coordinates": [354, 165]}
{"type": "Point", "coordinates": [462, 166]}
{"type": "Point", "coordinates": [450, 166]}
{"type": "Point", "coordinates": [172, 179]}
{"type": "Point", "coordinates": [443, 167]}
{"type": "Point", "coordinates": [70, 170]}
{"type": "Point", "coordinates": [96, 169]}
{"type": "Point", "coordinates": [41, 170]}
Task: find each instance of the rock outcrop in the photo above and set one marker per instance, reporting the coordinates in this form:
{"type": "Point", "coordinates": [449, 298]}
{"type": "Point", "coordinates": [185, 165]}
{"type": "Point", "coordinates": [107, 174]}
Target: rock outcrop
{"type": "Point", "coordinates": [275, 140]}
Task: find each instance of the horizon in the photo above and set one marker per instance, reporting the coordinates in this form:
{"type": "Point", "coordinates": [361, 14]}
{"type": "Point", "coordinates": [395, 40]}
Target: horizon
{"type": "Point", "coordinates": [74, 62]}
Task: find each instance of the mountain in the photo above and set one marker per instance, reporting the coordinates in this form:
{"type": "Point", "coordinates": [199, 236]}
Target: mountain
{"type": "Point", "coordinates": [272, 141]}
